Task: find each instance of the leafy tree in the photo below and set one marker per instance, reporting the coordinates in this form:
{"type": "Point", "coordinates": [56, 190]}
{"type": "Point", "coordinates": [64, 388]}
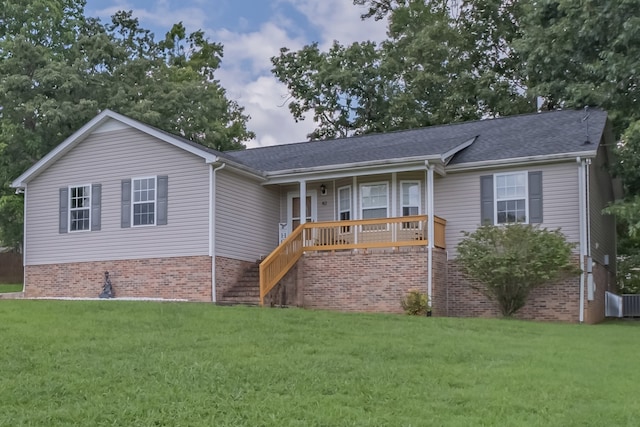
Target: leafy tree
{"type": "Point", "coordinates": [508, 262]}
{"type": "Point", "coordinates": [59, 68]}
{"type": "Point", "coordinates": [440, 64]}
{"type": "Point", "coordinates": [587, 52]}
{"type": "Point", "coordinates": [344, 87]}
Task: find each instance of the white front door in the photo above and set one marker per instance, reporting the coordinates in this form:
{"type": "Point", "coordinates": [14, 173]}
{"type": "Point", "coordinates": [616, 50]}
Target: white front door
{"type": "Point", "coordinates": [293, 209]}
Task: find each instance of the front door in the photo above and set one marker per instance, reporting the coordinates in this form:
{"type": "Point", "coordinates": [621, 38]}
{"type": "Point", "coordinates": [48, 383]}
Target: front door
{"type": "Point", "coordinates": [293, 208]}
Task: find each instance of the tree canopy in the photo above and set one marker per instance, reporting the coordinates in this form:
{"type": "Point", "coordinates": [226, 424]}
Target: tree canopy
{"type": "Point", "coordinates": [59, 68]}
{"type": "Point", "coordinates": [452, 60]}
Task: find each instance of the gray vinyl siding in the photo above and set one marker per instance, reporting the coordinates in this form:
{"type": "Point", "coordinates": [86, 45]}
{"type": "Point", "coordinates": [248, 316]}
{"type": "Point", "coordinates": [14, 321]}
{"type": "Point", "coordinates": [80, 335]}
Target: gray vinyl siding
{"type": "Point", "coordinates": [457, 200]}
{"type": "Point", "coordinates": [246, 217]}
{"type": "Point", "coordinates": [284, 191]}
{"type": "Point", "coordinates": [603, 227]}
{"type": "Point", "coordinates": [106, 158]}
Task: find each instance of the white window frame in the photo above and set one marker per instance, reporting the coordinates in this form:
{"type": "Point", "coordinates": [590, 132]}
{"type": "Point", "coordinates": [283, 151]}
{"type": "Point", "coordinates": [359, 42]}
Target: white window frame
{"type": "Point", "coordinates": [371, 184]}
{"type": "Point", "coordinates": [505, 199]}
{"type": "Point", "coordinates": [402, 205]}
{"type": "Point", "coordinates": [155, 201]}
{"type": "Point", "coordinates": [88, 208]}
{"type": "Point", "coordinates": [349, 207]}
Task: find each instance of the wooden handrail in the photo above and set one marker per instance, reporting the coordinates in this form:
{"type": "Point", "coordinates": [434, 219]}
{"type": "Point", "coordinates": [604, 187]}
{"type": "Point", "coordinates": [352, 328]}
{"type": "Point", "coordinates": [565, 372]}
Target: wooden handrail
{"type": "Point", "coordinates": [349, 234]}
{"type": "Point", "coordinates": [279, 262]}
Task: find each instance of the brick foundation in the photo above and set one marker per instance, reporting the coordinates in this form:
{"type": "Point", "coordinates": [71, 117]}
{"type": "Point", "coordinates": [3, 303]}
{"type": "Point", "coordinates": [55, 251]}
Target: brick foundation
{"type": "Point", "coordinates": [228, 272]}
{"type": "Point", "coordinates": [375, 281]}
{"type": "Point", "coordinates": [167, 278]}
{"type": "Point", "coordinates": [604, 281]}
{"type": "Point", "coordinates": [555, 302]}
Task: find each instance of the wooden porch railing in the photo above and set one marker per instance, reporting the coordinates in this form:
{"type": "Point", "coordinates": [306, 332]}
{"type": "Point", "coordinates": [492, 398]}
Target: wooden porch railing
{"type": "Point", "coordinates": [339, 235]}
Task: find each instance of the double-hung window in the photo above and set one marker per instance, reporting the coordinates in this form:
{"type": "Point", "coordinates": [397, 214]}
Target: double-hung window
{"type": "Point", "coordinates": [410, 198]}
{"type": "Point", "coordinates": [374, 200]}
{"type": "Point", "coordinates": [344, 203]}
{"type": "Point", "coordinates": [511, 197]}
{"type": "Point", "coordinates": [80, 208]}
{"type": "Point", "coordinates": [344, 207]}
{"type": "Point", "coordinates": [144, 201]}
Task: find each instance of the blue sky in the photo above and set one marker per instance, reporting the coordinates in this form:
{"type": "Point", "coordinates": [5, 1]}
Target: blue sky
{"type": "Point", "coordinates": [252, 31]}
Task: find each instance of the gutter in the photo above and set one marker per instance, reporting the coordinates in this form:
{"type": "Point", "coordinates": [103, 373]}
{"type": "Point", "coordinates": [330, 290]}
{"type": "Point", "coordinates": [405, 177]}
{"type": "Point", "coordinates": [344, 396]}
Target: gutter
{"type": "Point", "coordinates": [547, 158]}
{"type": "Point", "coordinates": [212, 224]}
{"type": "Point", "coordinates": [354, 165]}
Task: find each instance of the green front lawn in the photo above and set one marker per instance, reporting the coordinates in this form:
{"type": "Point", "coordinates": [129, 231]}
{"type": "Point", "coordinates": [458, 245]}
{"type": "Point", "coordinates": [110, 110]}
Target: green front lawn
{"type": "Point", "coordinates": [99, 363]}
{"type": "Point", "coordinates": [5, 288]}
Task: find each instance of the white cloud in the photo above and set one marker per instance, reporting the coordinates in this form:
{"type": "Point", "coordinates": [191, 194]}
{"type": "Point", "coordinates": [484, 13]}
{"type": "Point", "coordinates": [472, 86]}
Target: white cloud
{"type": "Point", "coordinates": [160, 14]}
{"type": "Point", "coordinates": [246, 66]}
{"type": "Point", "coordinates": [246, 76]}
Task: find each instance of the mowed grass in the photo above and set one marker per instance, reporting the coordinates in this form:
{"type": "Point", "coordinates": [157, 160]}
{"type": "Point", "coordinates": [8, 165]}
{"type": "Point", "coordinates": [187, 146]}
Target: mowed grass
{"type": "Point", "coordinates": [98, 363]}
{"type": "Point", "coordinates": [5, 288]}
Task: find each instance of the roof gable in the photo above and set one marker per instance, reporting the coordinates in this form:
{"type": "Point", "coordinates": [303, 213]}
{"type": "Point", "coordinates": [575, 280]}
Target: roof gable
{"type": "Point", "coordinates": [105, 121]}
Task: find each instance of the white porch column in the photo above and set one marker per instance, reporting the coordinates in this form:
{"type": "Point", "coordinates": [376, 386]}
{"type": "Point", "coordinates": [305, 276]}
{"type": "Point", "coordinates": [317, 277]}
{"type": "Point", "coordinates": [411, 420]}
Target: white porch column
{"type": "Point", "coordinates": [356, 213]}
{"type": "Point", "coordinates": [394, 194]}
{"type": "Point", "coordinates": [354, 199]}
{"type": "Point", "coordinates": [430, 230]}
{"type": "Point", "coordinates": [303, 201]}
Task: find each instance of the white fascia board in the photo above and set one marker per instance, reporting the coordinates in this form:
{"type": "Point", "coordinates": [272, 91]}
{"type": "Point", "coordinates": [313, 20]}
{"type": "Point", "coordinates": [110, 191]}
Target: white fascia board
{"type": "Point", "coordinates": [547, 158]}
{"type": "Point", "coordinates": [350, 169]}
{"type": "Point", "coordinates": [86, 130]}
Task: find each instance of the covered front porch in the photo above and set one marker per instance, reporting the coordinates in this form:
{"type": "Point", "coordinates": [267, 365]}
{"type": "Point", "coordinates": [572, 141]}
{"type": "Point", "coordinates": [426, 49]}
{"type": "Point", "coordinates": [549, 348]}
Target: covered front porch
{"type": "Point", "coordinates": [357, 210]}
{"type": "Point", "coordinates": [386, 236]}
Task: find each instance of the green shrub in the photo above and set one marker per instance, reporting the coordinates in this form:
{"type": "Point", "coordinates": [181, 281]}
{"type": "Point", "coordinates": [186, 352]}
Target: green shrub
{"type": "Point", "coordinates": [509, 261]}
{"type": "Point", "coordinates": [415, 303]}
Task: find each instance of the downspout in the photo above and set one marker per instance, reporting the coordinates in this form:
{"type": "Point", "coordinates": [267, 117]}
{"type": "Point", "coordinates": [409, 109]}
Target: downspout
{"type": "Point", "coordinates": [590, 283]}
{"type": "Point", "coordinates": [583, 236]}
{"type": "Point", "coordinates": [24, 236]}
{"type": "Point", "coordinates": [212, 226]}
{"type": "Point", "coordinates": [430, 231]}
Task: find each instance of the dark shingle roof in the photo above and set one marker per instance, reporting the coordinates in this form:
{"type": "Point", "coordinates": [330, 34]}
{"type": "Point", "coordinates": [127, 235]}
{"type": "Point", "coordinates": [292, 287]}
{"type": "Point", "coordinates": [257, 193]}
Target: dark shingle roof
{"type": "Point", "coordinates": [536, 134]}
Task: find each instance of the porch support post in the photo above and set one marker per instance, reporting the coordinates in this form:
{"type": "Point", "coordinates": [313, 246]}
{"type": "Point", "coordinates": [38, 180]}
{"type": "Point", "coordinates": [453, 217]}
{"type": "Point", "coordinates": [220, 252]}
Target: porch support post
{"type": "Point", "coordinates": [356, 213]}
{"type": "Point", "coordinates": [303, 201]}
{"type": "Point", "coordinates": [430, 231]}
{"type": "Point", "coordinates": [394, 194]}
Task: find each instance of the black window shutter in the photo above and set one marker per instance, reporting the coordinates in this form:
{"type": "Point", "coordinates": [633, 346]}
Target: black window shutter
{"type": "Point", "coordinates": [96, 205]}
{"type": "Point", "coordinates": [486, 200]}
{"type": "Point", "coordinates": [535, 197]}
{"type": "Point", "coordinates": [163, 193]}
{"type": "Point", "coordinates": [125, 216]}
{"type": "Point", "coordinates": [63, 226]}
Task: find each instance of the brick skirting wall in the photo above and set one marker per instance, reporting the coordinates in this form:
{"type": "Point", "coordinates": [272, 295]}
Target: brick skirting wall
{"type": "Point", "coordinates": [374, 281]}
{"type": "Point", "coordinates": [228, 272]}
{"type": "Point", "coordinates": [554, 302]}
{"type": "Point", "coordinates": [168, 278]}
{"type": "Point", "coordinates": [604, 281]}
